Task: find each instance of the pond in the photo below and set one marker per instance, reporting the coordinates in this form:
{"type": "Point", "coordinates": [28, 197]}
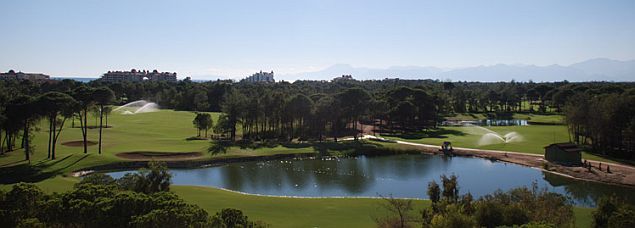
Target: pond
{"type": "Point", "coordinates": [486, 122]}
{"type": "Point", "coordinates": [404, 176]}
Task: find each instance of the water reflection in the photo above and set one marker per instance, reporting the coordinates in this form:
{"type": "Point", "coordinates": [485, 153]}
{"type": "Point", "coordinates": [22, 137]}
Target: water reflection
{"type": "Point", "coordinates": [587, 192]}
{"type": "Point", "coordinates": [400, 175]}
{"type": "Point", "coordinates": [486, 122]}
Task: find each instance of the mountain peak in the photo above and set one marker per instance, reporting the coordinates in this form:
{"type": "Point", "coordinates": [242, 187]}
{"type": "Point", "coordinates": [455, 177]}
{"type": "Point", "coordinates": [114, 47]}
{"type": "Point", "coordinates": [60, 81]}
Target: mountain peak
{"type": "Point", "coordinates": [598, 69]}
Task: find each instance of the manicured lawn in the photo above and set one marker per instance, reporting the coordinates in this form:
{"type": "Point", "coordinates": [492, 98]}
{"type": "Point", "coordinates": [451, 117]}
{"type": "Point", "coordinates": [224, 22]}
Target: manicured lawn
{"type": "Point", "coordinates": [534, 138]}
{"type": "Point", "coordinates": [307, 212]}
{"type": "Point", "coordinates": [286, 212]}
{"type": "Point", "coordinates": [291, 212]}
{"type": "Point", "coordinates": [467, 116]}
{"type": "Point", "coordinates": [159, 131]}
{"type": "Point", "coordinates": [538, 118]}
{"type": "Point", "coordinates": [547, 119]}
{"type": "Point", "coordinates": [163, 131]}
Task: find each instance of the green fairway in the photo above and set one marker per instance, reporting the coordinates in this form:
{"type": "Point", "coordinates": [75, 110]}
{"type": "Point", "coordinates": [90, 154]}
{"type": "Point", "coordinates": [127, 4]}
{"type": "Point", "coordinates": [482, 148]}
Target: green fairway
{"type": "Point", "coordinates": [287, 212]}
{"type": "Point", "coordinates": [310, 212]}
{"type": "Point", "coordinates": [534, 138]}
{"type": "Point", "coordinates": [543, 119]}
{"type": "Point", "coordinates": [535, 118]}
{"type": "Point", "coordinates": [162, 131]}
{"type": "Point", "coordinates": [291, 212]}
{"type": "Point", "coordinates": [159, 131]}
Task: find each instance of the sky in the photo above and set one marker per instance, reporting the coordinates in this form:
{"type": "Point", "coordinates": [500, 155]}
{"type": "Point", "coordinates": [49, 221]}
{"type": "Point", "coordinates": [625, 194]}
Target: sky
{"type": "Point", "coordinates": [232, 39]}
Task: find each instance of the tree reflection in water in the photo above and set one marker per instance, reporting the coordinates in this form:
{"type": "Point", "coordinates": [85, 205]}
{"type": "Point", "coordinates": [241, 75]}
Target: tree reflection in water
{"type": "Point", "coordinates": [587, 192]}
{"type": "Point", "coordinates": [399, 175]}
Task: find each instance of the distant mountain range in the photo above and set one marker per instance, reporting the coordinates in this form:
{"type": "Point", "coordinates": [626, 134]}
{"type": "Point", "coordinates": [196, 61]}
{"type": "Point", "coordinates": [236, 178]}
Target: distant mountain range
{"type": "Point", "coordinates": [600, 69]}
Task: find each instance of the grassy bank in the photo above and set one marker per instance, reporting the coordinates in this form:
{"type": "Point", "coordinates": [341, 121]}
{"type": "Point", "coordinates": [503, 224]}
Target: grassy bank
{"type": "Point", "coordinates": [286, 212]}
{"type": "Point", "coordinates": [306, 212]}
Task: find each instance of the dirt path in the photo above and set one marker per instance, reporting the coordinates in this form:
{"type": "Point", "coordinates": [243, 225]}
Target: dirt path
{"type": "Point", "coordinates": [620, 174]}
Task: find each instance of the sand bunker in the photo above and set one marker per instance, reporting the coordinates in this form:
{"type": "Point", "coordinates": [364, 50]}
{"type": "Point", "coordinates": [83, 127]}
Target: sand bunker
{"type": "Point", "coordinates": [79, 143]}
{"type": "Point", "coordinates": [159, 156]}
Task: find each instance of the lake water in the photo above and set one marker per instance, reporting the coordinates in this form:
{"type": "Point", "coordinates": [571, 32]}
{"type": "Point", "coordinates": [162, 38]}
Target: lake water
{"type": "Point", "coordinates": [486, 122]}
{"type": "Point", "coordinates": [405, 176]}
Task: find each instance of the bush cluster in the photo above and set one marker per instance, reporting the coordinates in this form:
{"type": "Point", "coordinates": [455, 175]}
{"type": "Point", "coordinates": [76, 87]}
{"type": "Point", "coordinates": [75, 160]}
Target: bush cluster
{"type": "Point", "coordinates": [136, 200]}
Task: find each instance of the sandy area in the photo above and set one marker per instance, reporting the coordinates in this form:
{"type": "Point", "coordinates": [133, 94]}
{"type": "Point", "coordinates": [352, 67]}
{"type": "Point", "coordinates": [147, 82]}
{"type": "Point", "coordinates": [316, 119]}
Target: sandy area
{"type": "Point", "coordinates": [78, 143]}
{"type": "Point", "coordinates": [159, 156]}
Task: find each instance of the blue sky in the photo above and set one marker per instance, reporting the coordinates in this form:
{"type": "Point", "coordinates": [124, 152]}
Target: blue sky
{"type": "Point", "coordinates": [234, 38]}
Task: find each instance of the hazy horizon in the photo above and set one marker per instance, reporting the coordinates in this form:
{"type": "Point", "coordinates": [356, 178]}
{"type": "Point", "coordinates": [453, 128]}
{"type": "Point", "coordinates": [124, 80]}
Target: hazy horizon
{"type": "Point", "coordinates": [234, 39]}
{"type": "Point", "coordinates": [428, 72]}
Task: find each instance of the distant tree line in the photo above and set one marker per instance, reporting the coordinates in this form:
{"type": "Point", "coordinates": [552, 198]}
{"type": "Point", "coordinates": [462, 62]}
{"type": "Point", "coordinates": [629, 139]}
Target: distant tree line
{"type": "Point", "coordinates": [316, 110]}
{"type": "Point", "coordinates": [604, 121]}
{"type": "Point", "coordinates": [451, 97]}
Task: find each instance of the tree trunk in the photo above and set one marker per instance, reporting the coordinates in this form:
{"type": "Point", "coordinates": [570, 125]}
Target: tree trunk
{"type": "Point", "coordinates": [233, 131]}
{"type": "Point", "coordinates": [101, 119]}
{"type": "Point", "coordinates": [50, 136]}
{"type": "Point", "coordinates": [1, 143]}
{"type": "Point", "coordinates": [56, 136]}
{"type": "Point", "coordinates": [14, 137]}
{"type": "Point", "coordinates": [85, 128]}
{"type": "Point", "coordinates": [9, 142]}
{"type": "Point", "coordinates": [291, 131]}
{"type": "Point", "coordinates": [22, 141]}
{"type": "Point", "coordinates": [25, 140]}
{"type": "Point", "coordinates": [355, 129]}
{"type": "Point", "coordinates": [321, 130]}
{"type": "Point", "coordinates": [334, 129]}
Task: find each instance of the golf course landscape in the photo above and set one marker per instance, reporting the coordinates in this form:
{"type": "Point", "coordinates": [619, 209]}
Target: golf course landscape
{"type": "Point", "coordinates": [319, 114]}
{"type": "Point", "coordinates": [152, 132]}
